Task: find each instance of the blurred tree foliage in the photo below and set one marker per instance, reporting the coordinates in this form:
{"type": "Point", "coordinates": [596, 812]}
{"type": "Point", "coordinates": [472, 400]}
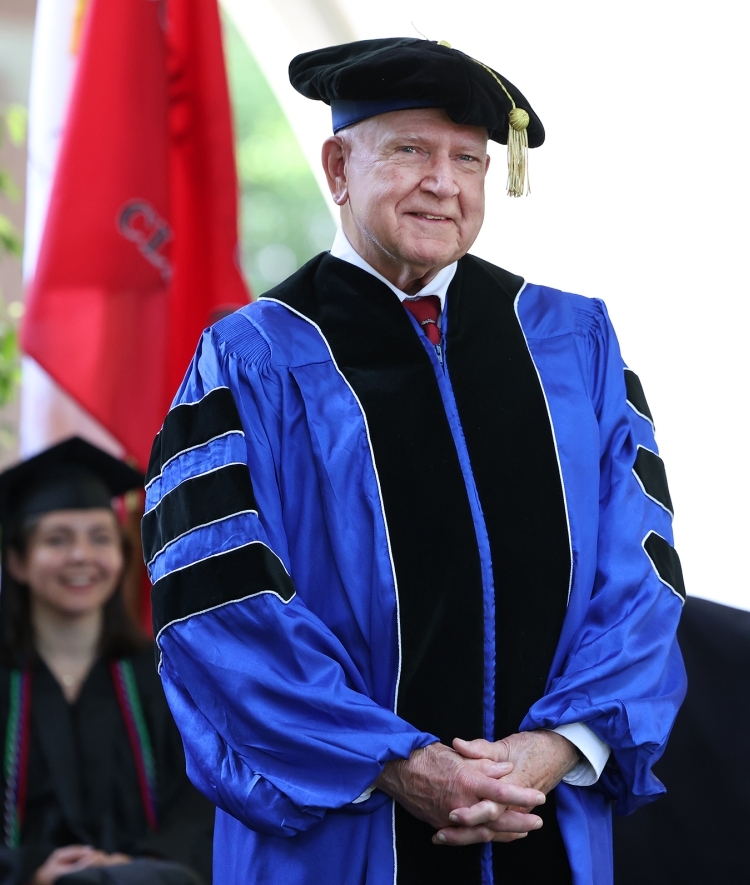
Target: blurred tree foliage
{"type": "Point", "coordinates": [12, 127]}
{"type": "Point", "coordinates": [284, 220]}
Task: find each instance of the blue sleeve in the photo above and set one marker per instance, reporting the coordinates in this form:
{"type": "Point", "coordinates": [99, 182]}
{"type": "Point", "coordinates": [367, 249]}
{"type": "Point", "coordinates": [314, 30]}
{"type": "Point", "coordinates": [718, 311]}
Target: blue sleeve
{"type": "Point", "coordinates": [623, 674]}
{"type": "Point", "coordinates": [275, 717]}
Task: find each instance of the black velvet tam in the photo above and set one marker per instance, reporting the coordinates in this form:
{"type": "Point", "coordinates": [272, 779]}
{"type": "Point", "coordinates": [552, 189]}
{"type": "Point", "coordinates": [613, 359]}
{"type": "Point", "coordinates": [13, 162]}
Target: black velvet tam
{"type": "Point", "coordinates": [72, 475]}
{"type": "Point", "coordinates": [397, 74]}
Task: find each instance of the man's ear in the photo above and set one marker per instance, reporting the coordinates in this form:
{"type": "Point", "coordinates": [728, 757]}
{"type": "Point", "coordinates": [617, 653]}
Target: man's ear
{"type": "Point", "coordinates": [487, 164]}
{"type": "Point", "coordinates": [334, 166]}
{"type": "Point", "coordinates": [16, 566]}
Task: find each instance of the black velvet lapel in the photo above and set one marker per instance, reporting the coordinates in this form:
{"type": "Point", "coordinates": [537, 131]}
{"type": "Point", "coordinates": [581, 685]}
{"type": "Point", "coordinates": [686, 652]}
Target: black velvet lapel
{"type": "Point", "coordinates": [514, 462]}
{"type": "Point", "coordinates": [429, 519]}
{"type": "Point", "coordinates": [513, 458]}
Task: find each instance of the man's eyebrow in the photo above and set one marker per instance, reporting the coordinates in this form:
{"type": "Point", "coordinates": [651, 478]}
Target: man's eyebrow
{"type": "Point", "coordinates": [415, 137]}
{"type": "Point", "coordinates": [403, 136]}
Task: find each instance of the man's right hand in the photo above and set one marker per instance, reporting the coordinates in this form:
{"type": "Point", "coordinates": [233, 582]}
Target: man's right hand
{"type": "Point", "coordinates": [435, 780]}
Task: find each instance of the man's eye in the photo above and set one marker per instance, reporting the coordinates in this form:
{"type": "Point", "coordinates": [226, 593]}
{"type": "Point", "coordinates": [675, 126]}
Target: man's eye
{"type": "Point", "coordinates": [408, 149]}
{"type": "Point", "coordinates": [468, 157]}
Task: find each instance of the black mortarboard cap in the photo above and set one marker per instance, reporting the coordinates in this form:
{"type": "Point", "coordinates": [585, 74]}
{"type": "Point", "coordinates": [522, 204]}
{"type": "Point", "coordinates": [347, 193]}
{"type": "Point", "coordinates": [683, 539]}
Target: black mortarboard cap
{"type": "Point", "coordinates": [370, 77]}
{"type": "Point", "coordinates": [72, 475]}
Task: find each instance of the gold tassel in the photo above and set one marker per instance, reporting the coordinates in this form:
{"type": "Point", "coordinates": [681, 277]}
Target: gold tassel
{"type": "Point", "coordinates": [518, 153]}
{"type": "Point", "coordinates": [518, 143]}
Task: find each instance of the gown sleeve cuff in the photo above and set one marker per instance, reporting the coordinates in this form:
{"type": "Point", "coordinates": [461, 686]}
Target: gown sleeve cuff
{"type": "Point", "coordinates": [594, 751]}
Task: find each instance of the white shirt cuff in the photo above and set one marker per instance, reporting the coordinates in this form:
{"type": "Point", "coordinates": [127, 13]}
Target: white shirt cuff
{"type": "Point", "coordinates": [363, 797]}
{"type": "Point", "coordinates": [594, 750]}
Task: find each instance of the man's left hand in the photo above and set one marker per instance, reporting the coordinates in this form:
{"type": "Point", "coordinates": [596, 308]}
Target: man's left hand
{"type": "Point", "coordinates": [541, 759]}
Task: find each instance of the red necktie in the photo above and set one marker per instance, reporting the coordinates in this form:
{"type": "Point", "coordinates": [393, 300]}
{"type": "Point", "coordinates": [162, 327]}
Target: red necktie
{"type": "Point", "coordinates": [426, 311]}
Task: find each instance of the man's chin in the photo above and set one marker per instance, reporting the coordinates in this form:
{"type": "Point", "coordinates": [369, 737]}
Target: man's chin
{"type": "Point", "coordinates": [431, 254]}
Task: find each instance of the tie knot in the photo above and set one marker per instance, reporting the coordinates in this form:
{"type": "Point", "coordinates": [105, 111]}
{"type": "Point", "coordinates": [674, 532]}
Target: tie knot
{"type": "Point", "coordinates": [426, 311]}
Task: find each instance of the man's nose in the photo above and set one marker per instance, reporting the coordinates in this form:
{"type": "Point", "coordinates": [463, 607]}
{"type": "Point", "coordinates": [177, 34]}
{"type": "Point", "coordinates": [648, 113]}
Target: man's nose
{"type": "Point", "coordinates": [439, 178]}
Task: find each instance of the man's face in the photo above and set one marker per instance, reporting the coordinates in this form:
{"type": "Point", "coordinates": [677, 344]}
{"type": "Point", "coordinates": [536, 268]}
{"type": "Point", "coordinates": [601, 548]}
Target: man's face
{"type": "Point", "coordinates": [412, 194]}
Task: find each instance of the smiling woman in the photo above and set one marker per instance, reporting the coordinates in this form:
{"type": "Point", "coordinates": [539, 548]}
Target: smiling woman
{"type": "Point", "coordinates": [94, 776]}
{"type": "Point", "coordinates": [73, 561]}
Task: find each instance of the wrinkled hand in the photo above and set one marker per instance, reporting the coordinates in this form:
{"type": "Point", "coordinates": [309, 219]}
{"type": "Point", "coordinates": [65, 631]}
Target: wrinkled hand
{"type": "Point", "coordinates": [435, 780]}
{"type": "Point", "coordinates": [540, 759]}
{"type": "Point", "coordinates": [72, 858]}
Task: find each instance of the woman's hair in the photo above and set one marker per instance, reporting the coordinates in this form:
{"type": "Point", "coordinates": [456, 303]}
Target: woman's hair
{"type": "Point", "coordinates": [121, 636]}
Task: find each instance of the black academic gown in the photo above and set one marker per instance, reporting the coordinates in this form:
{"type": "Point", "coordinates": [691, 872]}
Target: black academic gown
{"type": "Point", "coordinates": [82, 783]}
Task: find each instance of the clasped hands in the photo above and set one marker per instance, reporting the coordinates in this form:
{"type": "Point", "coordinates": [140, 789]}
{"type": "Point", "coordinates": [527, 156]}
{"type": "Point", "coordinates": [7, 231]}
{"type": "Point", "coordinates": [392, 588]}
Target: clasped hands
{"type": "Point", "coordinates": [480, 791]}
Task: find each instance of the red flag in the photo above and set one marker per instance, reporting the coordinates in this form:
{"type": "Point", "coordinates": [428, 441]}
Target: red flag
{"type": "Point", "coordinates": [139, 248]}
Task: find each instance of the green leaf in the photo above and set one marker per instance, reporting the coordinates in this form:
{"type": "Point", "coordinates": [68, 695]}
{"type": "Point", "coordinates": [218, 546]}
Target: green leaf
{"type": "Point", "coordinates": [10, 370]}
{"type": "Point", "coordinates": [9, 239]}
{"type": "Point", "coordinates": [8, 185]}
{"type": "Point", "coordinates": [16, 119]}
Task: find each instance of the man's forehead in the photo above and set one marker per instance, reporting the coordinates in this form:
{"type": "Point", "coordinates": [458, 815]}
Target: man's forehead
{"type": "Point", "coordinates": [424, 124]}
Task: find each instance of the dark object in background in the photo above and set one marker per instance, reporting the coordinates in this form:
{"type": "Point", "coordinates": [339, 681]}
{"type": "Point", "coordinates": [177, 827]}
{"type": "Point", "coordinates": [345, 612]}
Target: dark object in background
{"type": "Point", "coordinates": [140, 872]}
{"type": "Point", "coordinates": [698, 833]}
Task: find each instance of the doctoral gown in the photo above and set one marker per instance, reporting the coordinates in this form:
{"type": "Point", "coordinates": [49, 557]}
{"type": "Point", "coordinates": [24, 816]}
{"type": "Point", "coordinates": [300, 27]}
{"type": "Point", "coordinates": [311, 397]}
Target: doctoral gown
{"type": "Point", "coordinates": [360, 544]}
{"type": "Point", "coordinates": [82, 785]}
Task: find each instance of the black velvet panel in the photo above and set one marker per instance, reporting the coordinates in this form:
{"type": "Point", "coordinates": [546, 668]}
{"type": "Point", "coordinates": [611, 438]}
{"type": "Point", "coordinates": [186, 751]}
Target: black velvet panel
{"type": "Point", "coordinates": [649, 468]}
{"type": "Point", "coordinates": [513, 458]}
{"type": "Point", "coordinates": [225, 577]}
{"type": "Point", "coordinates": [196, 502]}
{"type": "Point", "coordinates": [636, 396]}
{"type": "Point", "coordinates": [193, 424]}
{"type": "Point", "coordinates": [429, 519]}
{"type": "Point", "coordinates": [508, 434]}
{"type": "Point", "coordinates": [666, 562]}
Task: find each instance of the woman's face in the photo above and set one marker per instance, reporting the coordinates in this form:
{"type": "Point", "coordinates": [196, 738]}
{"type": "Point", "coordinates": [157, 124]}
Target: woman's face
{"type": "Point", "coordinates": [73, 561]}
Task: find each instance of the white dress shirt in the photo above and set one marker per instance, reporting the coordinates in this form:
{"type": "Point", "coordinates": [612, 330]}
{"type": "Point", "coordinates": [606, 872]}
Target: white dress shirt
{"type": "Point", "coordinates": [594, 751]}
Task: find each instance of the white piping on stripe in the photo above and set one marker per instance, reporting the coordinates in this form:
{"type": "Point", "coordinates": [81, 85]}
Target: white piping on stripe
{"type": "Point", "coordinates": [656, 570]}
{"type": "Point", "coordinates": [641, 415]}
{"type": "Point", "coordinates": [221, 604]}
{"type": "Point", "coordinates": [192, 449]}
{"type": "Point", "coordinates": [643, 488]}
{"type": "Point", "coordinates": [201, 398]}
{"type": "Point", "coordinates": [197, 476]}
{"type": "Point", "coordinates": [214, 608]}
{"type": "Point", "coordinates": [203, 525]}
{"type": "Point", "coordinates": [554, 438]}
{"type": "Point", "coordinates": [222, 553]}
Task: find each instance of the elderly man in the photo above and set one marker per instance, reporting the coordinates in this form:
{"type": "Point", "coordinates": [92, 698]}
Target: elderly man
{"type": "Point", "coordinates": [410, 539]}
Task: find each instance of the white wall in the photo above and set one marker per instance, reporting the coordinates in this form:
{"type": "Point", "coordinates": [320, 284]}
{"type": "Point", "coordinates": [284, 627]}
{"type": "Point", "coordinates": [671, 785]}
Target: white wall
{"type": "Point", "coordinates": [640, 196]}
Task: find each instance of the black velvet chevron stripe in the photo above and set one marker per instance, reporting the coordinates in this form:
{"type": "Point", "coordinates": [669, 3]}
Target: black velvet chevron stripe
{"type": "Point", "coordinates": [636, 396]}
{"type": "Point", "coordinates": [649, 468]}
{"type": "Point", "coordinates": [666, 562]}
{"type": "Point", "coordinates": [195, 502]}
{"type": "Point", "coordinates": [226, 577]}
{"type": "Point", "coordinates": [193, 424]}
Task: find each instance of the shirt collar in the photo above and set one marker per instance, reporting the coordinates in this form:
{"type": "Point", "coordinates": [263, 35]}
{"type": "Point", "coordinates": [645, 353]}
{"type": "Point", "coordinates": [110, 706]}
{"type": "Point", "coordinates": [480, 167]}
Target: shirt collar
{"type": "Point", "coordinates": [344, 250]}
